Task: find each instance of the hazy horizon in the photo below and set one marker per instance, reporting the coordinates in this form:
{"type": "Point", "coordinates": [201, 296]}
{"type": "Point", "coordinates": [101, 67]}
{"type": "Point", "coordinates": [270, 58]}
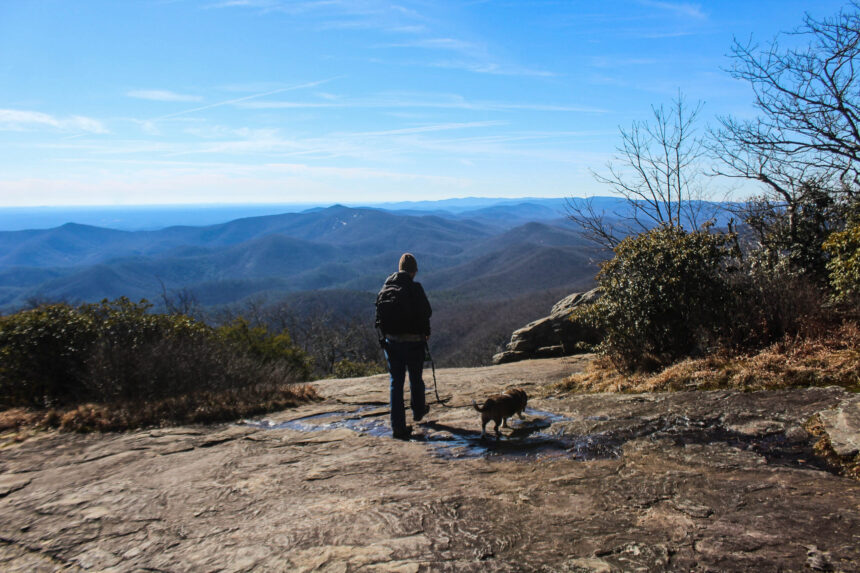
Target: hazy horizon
{"type": "Point", "coordinates": [151, 217]}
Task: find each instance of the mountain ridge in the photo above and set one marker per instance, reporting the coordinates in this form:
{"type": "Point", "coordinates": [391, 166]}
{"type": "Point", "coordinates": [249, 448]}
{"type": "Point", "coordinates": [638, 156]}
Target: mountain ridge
{"type": "Point", "coordinates": [472, 264]}
{"type": "Point", "coordinates": [475, 256]}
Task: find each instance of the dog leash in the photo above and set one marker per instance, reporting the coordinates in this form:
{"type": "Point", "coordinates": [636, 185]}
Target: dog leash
{"type": "Point", "coordinates": [432, 367]}
{"type": "Point", "coordinates": [435, 384]}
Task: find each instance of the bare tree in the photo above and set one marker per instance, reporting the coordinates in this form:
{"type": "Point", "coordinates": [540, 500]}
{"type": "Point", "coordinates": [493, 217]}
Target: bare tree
{"type": "Point", "coordinates": [809, 104]}
{"type": "Point", "coordinates": [657, 171]}
{"type": "Point", "coordinates": [330, 338]}
{"type": "Point", "coordinates": [806, 138]}
{"type": "Point", "coordinates": [180, 301]}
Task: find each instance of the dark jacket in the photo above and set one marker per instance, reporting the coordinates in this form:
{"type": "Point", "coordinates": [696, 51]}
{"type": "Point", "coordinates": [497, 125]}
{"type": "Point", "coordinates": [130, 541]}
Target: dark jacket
{"type": "Point", "coordinates": [417, 320]}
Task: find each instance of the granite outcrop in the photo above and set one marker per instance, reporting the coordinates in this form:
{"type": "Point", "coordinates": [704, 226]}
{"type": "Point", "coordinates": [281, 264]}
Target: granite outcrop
{"type": "Point", "coordinates": [553, 335]}
{"type": "Point", "coordinates": [687, 481]}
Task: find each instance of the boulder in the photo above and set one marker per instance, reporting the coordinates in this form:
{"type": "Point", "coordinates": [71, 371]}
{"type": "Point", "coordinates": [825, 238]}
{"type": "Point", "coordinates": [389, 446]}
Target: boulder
{"type": "Point", "coordinates": [842, 425]}
{"type": "Point", "coordinates": [553, 335]}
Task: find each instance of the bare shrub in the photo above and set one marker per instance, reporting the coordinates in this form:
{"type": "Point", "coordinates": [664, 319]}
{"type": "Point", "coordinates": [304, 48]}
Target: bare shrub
{"type": "Point", "coordinates": [771, 303]}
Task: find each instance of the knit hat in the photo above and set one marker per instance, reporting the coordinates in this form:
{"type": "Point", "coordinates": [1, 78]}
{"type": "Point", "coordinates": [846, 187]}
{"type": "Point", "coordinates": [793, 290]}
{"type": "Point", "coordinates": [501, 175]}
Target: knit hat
{"type": "Point", "coordinates": [408, 263]}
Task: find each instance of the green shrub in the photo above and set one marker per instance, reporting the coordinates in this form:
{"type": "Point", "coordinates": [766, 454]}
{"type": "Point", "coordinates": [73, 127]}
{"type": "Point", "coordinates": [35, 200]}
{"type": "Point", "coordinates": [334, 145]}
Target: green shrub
{"type": "Point", "coordinates": [350, 369]}
{"type": "Point", "coordinates": [844, 265]}
{"type": "Point", "coordinates": [43, 355]}
{"type": "Point", "coordinates": [117, 351]}
{"type": "Point", "coordinates": [665, 296]}
{"type": "Point", "coordinates": [261, 344]}
{"type": "Point", "coordinates": [140, 355]}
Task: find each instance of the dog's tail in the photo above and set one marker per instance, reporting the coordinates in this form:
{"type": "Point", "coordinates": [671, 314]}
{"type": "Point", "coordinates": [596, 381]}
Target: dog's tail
{"type": "Point", "coordinates": [479, 408]}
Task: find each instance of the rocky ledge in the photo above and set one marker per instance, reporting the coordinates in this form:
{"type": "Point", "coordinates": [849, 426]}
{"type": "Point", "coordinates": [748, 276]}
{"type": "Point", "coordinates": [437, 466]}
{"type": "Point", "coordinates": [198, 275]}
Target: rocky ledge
{"type": "Point", "coordinates": [698, 481]}
{"type": "Point", "coordinates": [553, 335]}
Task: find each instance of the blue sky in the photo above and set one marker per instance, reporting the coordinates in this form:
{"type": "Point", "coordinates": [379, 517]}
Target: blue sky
{"type": "Point", "coordinates": [271, 101]}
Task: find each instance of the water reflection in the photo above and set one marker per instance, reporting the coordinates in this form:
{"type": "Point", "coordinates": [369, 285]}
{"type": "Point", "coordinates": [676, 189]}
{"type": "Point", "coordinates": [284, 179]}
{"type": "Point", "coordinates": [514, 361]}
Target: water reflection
{"type": "Point", "coordinates": [538, 436]}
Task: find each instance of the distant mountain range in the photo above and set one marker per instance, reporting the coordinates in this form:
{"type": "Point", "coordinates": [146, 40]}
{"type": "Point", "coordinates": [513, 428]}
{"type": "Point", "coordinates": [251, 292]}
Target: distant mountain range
{"type": "Point", "coordinates": [499, 250]}
{"type": "Point", "coordinates": [489, 266]}
{"type": "Point", "coordinates": [154, 217]}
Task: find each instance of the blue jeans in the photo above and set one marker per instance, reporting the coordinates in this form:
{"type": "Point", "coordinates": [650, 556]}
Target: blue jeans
{"type": "Point", "coordinates": [403, 356]}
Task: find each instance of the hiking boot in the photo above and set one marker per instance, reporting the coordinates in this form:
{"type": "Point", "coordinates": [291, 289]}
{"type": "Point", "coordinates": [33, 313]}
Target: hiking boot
{"type": "Point", "coordinates": [404, 434]}
{"type": "Point", "coordinates": [420, 416]}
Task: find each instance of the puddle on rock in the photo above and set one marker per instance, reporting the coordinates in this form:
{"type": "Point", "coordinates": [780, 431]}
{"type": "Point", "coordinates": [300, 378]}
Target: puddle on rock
{"type": "Point", "coordinates": [531, 438]}
{"type": "Point", "coordinates": [357, 420]}
{"type": "Point", "coordinates": [544, 436]}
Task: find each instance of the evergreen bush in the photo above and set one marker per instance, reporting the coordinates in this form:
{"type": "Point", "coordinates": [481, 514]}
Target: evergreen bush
{"type": "Point", "coordinates": [117, 351]}
{"type": "Point", "coordinates": [844, 265]}
{"type": "Point", "coordinates": [665, 296]}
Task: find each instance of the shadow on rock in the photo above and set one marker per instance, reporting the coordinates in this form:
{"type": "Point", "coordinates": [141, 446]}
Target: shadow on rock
{"type": "Point", "coordinates": [547, 436]}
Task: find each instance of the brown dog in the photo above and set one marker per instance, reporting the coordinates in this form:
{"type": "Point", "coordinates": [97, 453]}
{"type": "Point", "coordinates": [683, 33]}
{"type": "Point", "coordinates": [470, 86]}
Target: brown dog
{"type": "Point", "coordinates": [500, 407]}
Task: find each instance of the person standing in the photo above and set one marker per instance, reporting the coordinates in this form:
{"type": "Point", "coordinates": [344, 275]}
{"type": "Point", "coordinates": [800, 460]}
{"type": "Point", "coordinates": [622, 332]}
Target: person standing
{"type": "Point", "coordinates": [403, 319]}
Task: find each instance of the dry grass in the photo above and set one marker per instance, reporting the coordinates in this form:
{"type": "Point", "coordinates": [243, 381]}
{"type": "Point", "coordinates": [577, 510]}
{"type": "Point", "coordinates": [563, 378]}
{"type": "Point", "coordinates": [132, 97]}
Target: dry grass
{"type": "Point", "coordinates": [194, 408]}
{"type": "Point", "coordinates": [831, 359]}
{"type": "Point", "coordinates": [827, 360]}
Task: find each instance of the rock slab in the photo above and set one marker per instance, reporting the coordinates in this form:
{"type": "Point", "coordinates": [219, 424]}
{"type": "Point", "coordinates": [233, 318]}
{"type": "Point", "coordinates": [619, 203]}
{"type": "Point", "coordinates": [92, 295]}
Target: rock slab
{"type": "Point", "coordinates": [693, 481]}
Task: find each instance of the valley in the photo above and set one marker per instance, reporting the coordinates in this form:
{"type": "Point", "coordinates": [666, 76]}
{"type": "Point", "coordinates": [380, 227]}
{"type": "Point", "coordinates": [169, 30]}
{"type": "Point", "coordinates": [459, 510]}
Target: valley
{"type": "Point", "coordinates": [521, 257]}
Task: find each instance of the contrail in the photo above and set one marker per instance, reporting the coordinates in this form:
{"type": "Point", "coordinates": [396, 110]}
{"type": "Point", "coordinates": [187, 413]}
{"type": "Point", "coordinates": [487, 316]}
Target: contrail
{"type": "Point", "coordinates": [237, 100]}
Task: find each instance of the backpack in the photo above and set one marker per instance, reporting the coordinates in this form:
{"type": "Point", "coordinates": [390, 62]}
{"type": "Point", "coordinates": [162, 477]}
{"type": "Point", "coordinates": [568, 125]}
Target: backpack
{"type": "Point", "coordinates": [394, 308]}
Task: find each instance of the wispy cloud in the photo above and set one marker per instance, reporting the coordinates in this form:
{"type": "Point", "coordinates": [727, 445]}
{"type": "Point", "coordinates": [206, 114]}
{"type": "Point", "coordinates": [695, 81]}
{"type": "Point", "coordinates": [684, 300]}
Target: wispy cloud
{"type": "Point", "coordinates": [470, 56]}
{"type": "Point", "coordinates": [356, 172]}
{"type": "Point", "coordinates": [428, 101]}
{"type": "Point", "coordinates": [367, 23]}
{"type": "Point", "coordinates": [334, 25]}
{"type": "Point", "coordinates": [658, 35]}
{"type": "Point", "coordinates": [244, 4]}
{"type": "Point", "coordinates": [491, 68]}
{"type": "Point", "coordinates": [338, 14]}
{"type": "Point", "coordinates": [162, 95]}
{"type": "Point", "coordinates": [18, 120]}
{"type": "Point", "coordinates": [145, 126]}
{"type": "Point", "coordinates": [413, 29]}
{"type": "Point", "coordinates": [432, 128]}
{"type": "Point", "coordinates": [138, 183]}
{"type": "Point", "coordinates": [614, 62]}
{"type": "Point", "coordinates": [484, 140]}
{"type": "Point", "coordinates": [679, 8]}
{"type": "Point", "coordinates": [437, 44]}
{"type": "Point", "coordinates": [235, 101]}
{"type": "Point", "coordinates": [294, 105]}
